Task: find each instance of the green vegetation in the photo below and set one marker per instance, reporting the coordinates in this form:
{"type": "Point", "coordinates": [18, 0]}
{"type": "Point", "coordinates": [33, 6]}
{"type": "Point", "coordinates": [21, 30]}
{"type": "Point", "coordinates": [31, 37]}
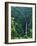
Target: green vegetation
{"type": "Point", "coordinates": [19, 17]}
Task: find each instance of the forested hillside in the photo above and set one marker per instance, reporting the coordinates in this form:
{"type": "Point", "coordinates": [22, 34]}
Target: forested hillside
{"type": "Point", "coordinates": [20, 17]}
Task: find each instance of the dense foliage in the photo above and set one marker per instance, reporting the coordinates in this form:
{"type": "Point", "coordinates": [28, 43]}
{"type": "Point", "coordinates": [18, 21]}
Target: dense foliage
{"type": "Point", "coordinates": [20, 16]}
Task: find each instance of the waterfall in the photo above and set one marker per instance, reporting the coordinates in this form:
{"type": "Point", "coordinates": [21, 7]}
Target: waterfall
{"type": "Point", "coordinates": [26, 28]}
